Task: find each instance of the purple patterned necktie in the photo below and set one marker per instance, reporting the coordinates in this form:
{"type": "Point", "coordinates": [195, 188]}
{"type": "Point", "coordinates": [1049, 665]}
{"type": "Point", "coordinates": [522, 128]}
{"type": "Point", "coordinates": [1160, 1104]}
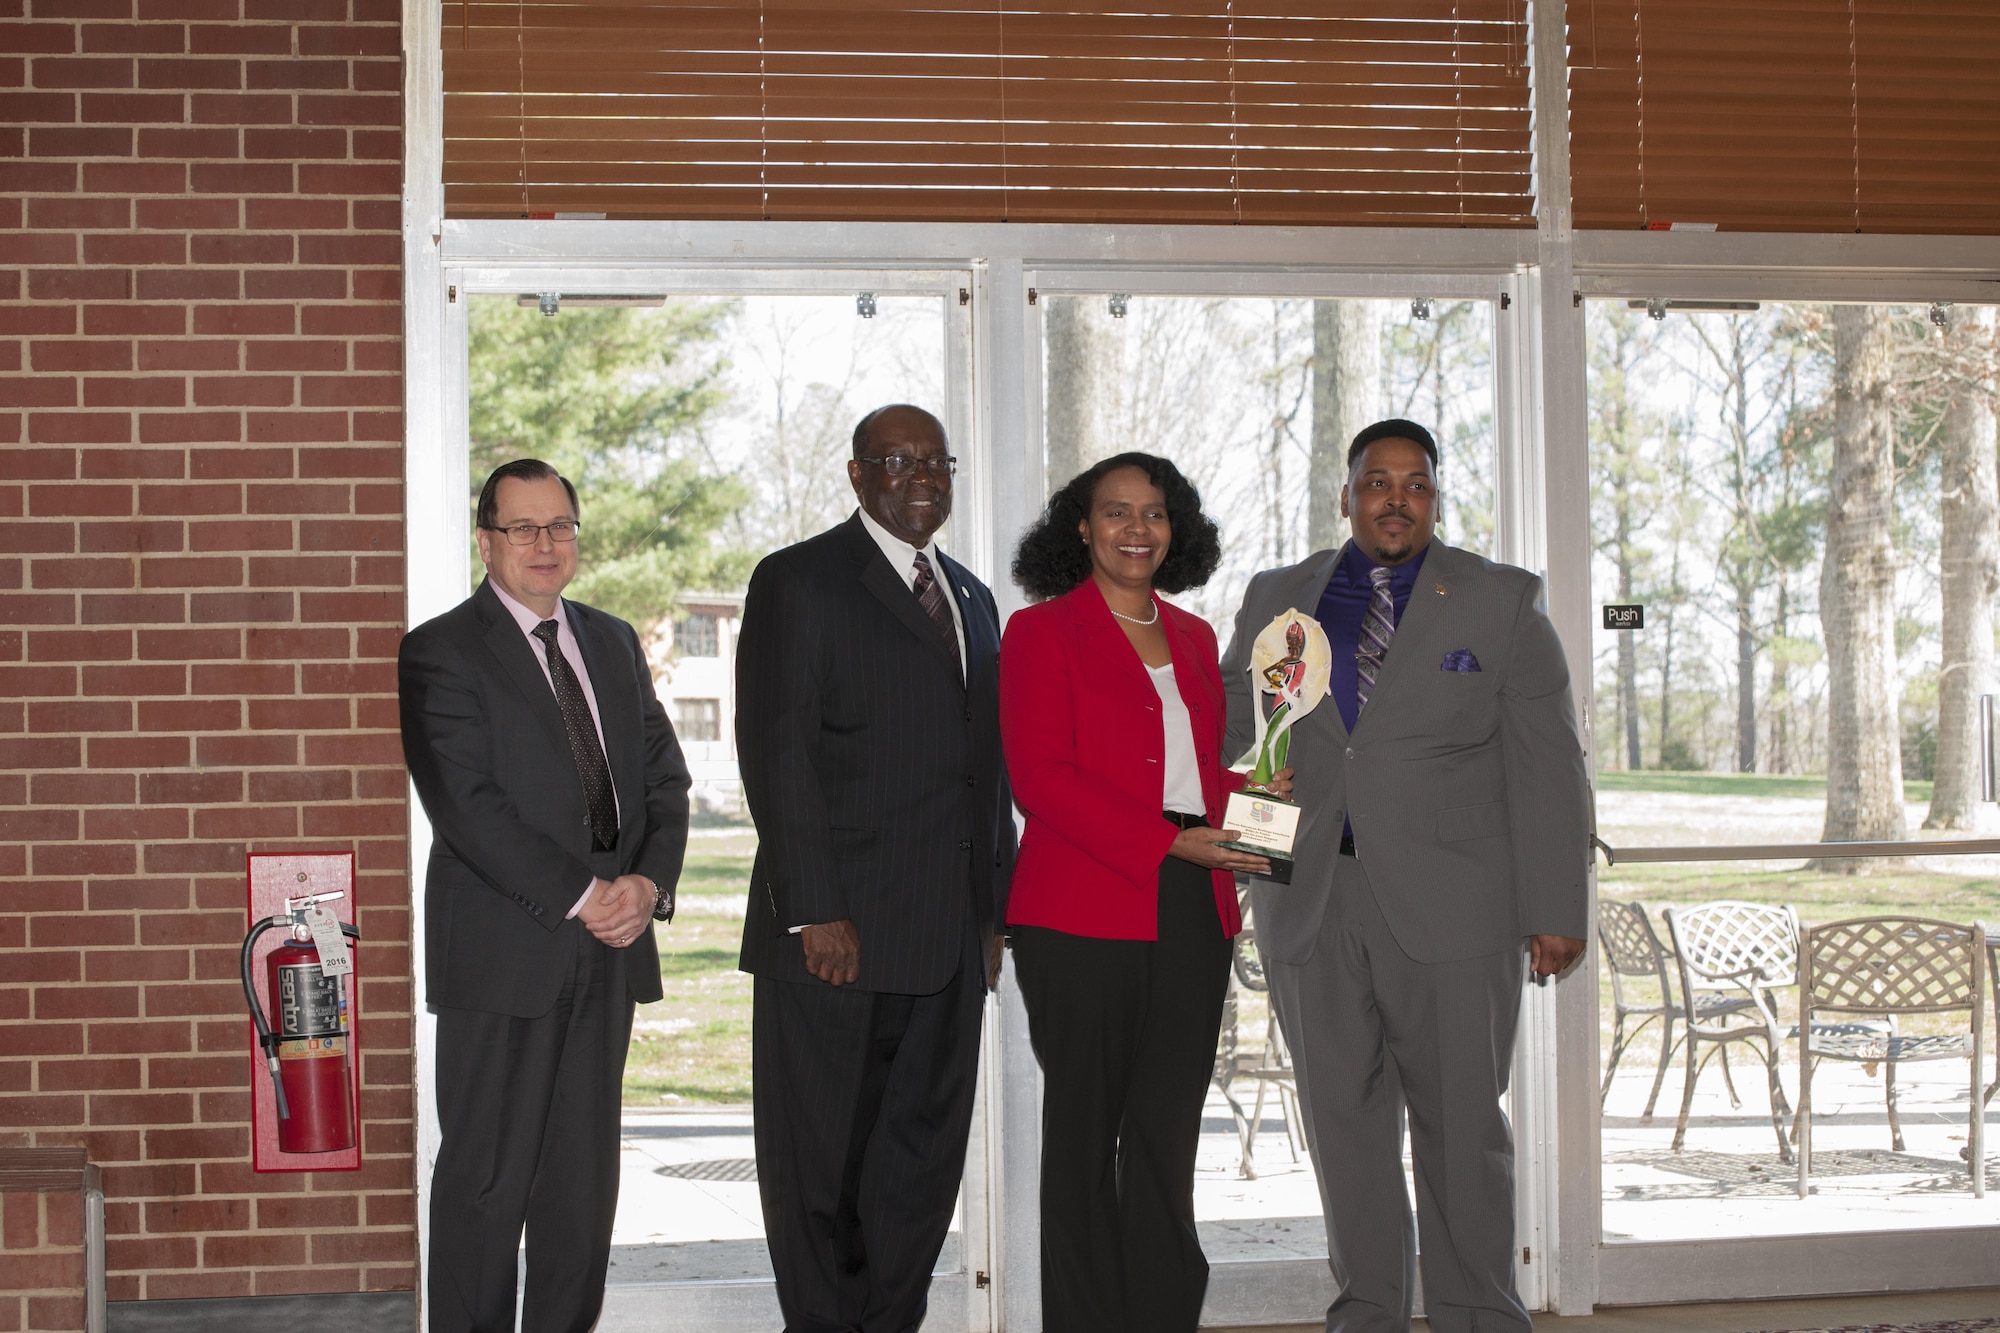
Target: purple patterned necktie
{"type": "Point", "coordinates": [930, 594]}
{"type": "Point", "coordinates": [1378, 626]}
{"type": "Point", "coordinates": [583, 743]}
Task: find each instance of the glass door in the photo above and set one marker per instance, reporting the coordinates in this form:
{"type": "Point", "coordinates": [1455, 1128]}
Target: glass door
{"type": "Point", "coordinates": [707, 417]}
{"type": "Point", "coordinates": [1254, 391]}
{"type": "Point", "coordinates": [1793, 515]}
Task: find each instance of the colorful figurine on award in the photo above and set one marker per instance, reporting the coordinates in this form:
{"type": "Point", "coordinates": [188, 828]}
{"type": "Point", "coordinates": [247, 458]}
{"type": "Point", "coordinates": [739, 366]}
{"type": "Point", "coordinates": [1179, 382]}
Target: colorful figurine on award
{"type": "Point", "coordinates": [1291, 661]}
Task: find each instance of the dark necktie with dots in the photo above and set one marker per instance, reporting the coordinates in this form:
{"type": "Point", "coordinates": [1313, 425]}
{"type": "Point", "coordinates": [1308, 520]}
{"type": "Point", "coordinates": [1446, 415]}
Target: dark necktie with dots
{"type": "Point", "coordinates": [583, 743]}
{"type": "Point", "coordinates": [930, 594]}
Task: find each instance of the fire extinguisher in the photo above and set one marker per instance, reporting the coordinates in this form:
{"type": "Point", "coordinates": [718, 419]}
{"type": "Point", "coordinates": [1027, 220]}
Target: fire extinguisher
{"type": "Point", "coordinates": [310, 1055]}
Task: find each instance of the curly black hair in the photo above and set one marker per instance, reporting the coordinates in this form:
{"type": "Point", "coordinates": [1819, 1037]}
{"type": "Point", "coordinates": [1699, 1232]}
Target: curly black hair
{"type": "Point", "coordinates": [1052, 558]}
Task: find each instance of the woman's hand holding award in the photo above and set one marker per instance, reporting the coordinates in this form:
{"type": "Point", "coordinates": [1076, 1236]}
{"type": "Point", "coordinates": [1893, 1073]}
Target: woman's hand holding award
{"type": "Point", "coordinates": [1292, 661]}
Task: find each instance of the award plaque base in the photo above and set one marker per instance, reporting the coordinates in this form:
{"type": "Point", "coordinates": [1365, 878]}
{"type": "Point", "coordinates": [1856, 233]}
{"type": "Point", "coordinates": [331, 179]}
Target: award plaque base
{"type": "Point", "coordinates": [1266, 827]}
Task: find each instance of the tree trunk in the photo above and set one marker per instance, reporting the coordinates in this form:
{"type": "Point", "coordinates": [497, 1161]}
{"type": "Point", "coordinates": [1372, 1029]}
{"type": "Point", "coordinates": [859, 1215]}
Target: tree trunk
{"type": "Point", "coordinates": [1082, 385]}
{"type": "Point", "coordinates": [1864, 765]}
{"type": "Point", "coordinates": [1969, 550]}
{"type": "Point", "coordinates": [1347, 383]}
{"type": "Point", "coordinates": [1746, 682]}
{"type": "Point", "coordinates": [1781, 685]}
{"type": "Point", "coordinates": [1628, 654]}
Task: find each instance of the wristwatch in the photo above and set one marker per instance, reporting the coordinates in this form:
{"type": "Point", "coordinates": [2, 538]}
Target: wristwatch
{"type": "Point", "coordinates": [663, 901]}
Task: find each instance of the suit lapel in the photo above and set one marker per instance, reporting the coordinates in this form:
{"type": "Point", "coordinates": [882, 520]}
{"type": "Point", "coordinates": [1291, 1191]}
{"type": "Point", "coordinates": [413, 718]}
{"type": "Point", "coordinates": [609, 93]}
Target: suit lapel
{"type": "Point", "coordinates": [888, 588]}
{"type": "Point", "coordinates": [1304, 593]}
{"type": "Point", "coordinates": [510, 648]}
{"type": "Point", "coordinates": [1412, 648]}
{"type": "Point", "coordinates": [1108, 647]}
{"type": "Point", "coordinates": [982, 635]}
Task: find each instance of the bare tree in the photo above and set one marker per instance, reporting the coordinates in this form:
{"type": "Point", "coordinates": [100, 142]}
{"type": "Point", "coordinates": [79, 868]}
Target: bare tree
{"type": "Point", "coordinates": [1625, 477]}
{"type": "Point", "coordinates": [1969, 569]}
{"type": "Point", "coordinates": [1082, 385]}
{"type": "Point", "coordinates": [1864, 778]}
{"type": "Point", "coordinates": [1346, 385]}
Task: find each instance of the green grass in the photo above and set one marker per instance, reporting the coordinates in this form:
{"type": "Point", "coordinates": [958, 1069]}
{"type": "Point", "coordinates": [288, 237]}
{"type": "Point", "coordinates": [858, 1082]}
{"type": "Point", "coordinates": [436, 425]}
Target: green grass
{"type": "Point", "coordinates": [707, 1057]}
{"type": "Point", "coordinates": [1803, 787]}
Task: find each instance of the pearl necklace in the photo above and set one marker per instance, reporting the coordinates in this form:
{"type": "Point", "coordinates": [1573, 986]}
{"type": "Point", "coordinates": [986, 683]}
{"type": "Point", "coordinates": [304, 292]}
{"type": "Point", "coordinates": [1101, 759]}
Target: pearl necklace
{"type": "Point", "coordinates": [1134, 619]}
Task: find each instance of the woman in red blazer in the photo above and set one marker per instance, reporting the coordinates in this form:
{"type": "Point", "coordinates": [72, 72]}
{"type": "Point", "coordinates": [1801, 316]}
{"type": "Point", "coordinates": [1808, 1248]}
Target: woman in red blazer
{"type": "Point", "coordinates": [1122, 906]}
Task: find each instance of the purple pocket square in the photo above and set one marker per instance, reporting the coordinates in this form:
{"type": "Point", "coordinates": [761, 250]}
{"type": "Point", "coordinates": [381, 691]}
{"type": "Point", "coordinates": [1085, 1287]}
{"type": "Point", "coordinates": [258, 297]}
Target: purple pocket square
{"type": "Point", "coordinates": [1459, 659]}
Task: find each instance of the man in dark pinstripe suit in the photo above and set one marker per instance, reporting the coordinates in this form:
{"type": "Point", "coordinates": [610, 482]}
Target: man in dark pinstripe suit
{"type": "Point", "coordinates": [867, 727]}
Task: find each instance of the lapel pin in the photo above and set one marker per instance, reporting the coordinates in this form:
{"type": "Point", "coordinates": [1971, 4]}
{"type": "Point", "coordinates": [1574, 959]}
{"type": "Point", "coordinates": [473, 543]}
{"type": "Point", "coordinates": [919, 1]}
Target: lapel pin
{"type": "Point", "coordinates": [1440, 588]}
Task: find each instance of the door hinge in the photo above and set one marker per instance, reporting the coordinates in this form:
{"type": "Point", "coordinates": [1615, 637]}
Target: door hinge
{"type": "Point", "coordinates": [1527, 1256]}
{"type": "Point", "coordinates": [1034, 297]}
{"type": "Point", "coordinates": [964, 296]}
{"type": "Point", "coordinates": [980, 1280]}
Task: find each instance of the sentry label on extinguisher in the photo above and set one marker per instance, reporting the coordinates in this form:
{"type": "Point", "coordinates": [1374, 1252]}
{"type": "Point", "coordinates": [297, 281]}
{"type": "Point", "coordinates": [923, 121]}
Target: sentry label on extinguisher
{"type": "Point", "coordinates": [311, 1013]}
{"type": "Point", "coordinates": [334, 960]}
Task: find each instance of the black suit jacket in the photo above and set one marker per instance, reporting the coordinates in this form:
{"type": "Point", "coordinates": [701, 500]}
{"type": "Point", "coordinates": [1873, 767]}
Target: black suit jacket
{"type": "Point", "coordinates": [511, 844]}
{"type": "Point", "coordinates": [873, 772]}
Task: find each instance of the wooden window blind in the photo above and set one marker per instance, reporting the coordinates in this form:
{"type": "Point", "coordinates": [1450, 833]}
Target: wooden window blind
{"type": "Point", "coordinates": [1372, 112]}
{"type": "Point", "coordinates": [1786, 115]}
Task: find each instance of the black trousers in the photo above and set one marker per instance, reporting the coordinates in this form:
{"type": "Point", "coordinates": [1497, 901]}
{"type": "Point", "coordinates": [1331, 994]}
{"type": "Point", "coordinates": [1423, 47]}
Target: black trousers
{"type": "Point", "coordinates": [529, 1112]}
{"type": "Point", "coordinates": [863, 1101]}
{"type": "Point", "coordinates": [1125, 1031]}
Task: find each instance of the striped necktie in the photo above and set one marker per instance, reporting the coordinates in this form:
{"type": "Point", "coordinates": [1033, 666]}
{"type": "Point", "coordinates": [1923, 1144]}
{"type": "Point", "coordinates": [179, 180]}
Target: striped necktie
{"type": "Point", "coordinates": [930, 595]}
{"type": "Point", "coordinates": [583, 745]}
{"type": "Point", "coordinates": [1378, 626]}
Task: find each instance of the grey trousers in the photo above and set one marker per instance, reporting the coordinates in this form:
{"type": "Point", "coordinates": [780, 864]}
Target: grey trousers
{"type": "Point", "coordinates": [1375, 1035]}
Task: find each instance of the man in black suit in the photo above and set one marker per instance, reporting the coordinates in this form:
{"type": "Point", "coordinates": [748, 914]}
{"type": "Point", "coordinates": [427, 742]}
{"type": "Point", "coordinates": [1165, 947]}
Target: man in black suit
{"type": "Point", "coordinates": [558, 803]}
{"type": "Point", "coordinates": [867, 728]}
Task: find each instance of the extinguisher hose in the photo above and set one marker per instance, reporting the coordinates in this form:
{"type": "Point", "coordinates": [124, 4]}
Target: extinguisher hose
{"type": "Point", "coordinates": [267, 1039]}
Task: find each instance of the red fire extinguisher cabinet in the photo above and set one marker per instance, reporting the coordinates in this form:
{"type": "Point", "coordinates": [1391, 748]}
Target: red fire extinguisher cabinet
{"type": "Point", "coordinates": [272, 879]}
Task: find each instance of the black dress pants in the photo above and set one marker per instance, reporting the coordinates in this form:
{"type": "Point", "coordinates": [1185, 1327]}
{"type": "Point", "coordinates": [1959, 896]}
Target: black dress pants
{"type": "Point", "coordinates": [863, 1102]}
{"type": "Point", "coordinates": [1125, 1031]}
{"type": "Point", "coordinates": [529, 1113]}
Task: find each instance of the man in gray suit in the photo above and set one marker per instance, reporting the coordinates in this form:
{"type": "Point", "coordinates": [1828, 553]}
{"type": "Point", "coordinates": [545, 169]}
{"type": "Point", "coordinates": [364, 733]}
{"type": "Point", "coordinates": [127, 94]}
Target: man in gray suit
{"type": "Point", "coordinates": [1444, 841]}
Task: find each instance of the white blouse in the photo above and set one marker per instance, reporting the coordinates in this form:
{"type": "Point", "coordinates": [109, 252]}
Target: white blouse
{"type": "Point", "coordinates": [1183, 775]}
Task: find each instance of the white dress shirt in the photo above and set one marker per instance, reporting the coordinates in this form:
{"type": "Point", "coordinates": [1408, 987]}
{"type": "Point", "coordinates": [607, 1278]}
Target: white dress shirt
{"type": "Point", "coordinates": [573, 654]}
{"type": "Point", "coordinates": [1182, 789]}
{"type": "Point", "coordinates": [902, 558]}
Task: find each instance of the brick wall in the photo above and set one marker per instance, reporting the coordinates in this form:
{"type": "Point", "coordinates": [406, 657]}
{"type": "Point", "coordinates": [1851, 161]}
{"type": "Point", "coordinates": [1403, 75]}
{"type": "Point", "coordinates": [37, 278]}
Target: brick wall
{"type": "Point", "coordinates": [200, 597]}
{"type": "Point", "coordinates": [41, 1260]}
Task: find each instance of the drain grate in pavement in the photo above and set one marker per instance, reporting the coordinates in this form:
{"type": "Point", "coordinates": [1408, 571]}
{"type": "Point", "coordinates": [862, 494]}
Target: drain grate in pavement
{"type": "Point", "coordinates": [733, 1170]}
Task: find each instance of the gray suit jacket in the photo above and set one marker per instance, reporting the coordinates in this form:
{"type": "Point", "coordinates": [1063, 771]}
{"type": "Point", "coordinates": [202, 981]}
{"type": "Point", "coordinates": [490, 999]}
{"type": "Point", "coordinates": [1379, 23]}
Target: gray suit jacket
{"type": "Point", "coordinates": [1466, 789]}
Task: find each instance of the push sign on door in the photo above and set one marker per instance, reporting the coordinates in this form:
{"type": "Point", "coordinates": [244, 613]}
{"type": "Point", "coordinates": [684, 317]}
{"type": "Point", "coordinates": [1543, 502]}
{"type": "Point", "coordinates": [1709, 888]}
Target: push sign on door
{"type": "Point", "coordinates": [1624, 617]}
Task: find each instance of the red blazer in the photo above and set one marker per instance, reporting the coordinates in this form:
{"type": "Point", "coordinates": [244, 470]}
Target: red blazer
{"type": "Point", "coordinates": [1086, 754]}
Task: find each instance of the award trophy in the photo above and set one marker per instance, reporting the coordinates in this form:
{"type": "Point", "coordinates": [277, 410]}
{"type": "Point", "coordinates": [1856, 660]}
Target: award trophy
{"type": "Point", "coordinates": [1292, 661]}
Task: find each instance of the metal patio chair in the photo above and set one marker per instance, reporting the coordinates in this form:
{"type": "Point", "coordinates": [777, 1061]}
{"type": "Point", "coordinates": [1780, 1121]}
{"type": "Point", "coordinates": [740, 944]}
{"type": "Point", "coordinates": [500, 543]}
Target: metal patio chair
{"type": "Point", "coordinates": [1268, 1070]}
{"type": "Point", "coordinates": [1741, 952]}
{"type": "Point", "coordinates": [1632, 953]}
{"type": "Point", "coordinates": [1880, 968]}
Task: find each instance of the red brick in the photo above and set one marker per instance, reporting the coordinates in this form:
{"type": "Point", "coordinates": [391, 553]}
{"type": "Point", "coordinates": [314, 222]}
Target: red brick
{"type": "Point", "coordinates": [190, 73]}
{"type": "Point", "coordinates": [188, 354]}
{"type": "Point", "coordinates": [41, 1038]}
{"type": "Point", "coordinates": [189, 214]}
{"type": "Point", "coordinates": [197, 1143]}
{"type": "Point", "coordinates": [297, 214]}
{"type": "Point", "coordinates": [209, 1071]}
{"type": "Point", "coordinates": [111, 320]}
{"type": "Point", "coordinates": [135, 178]}
{"type": "Point", "coordinates": [307, 785]}
{"type": "Point", "coordinates": [135, 825]}
{"type": "Point", "coordinates": [132, 392]}
{"type": "Point", "coordinates": [34, 248]}
{"type": "Point", "coordinates": [224, 607]}
{"type": "Point", "coordinates": [260, 1252]}
{"type": "Point", "coordinates": [45, 392]}
{"type": "Point", "coordinates": [141, 1108]}
{"type": "Point", "coordinates": [126, 681]}
{"type": "Point", "coordinates": [241, 320]}
{"type": "Point", "coordinates": [79, 284]}
{"type": "Point", "coordinates": [274, 750]}
{"type": "Point", "coordinates": [76, 355]}
{"type": "Point", "coordinates": [138, 751]}
{"type": "Point", "coordinates": [241, 248]}
{"type": "Point", "coordinates": [191, 499]}
{"type": "Point", "coordinates": [82, 72]}
{"type": "Point", "coordinates": [288, 643]}
{"type": "Point", "coordinates": [48, 682]}
{"type": "Point", "coordinates": [244, 821]}
{"type": "Point", "coordinates": [37, 319]}
{"type": "Point", "coordinates": [48, 501]}
{"type": "Point", "coordinates": [190, 572]}
{"type": "Point", "coordinates": [244, 391]}
{"type": "Point", "coordinates": [187, 285]}
{"type": "Point", "coordinates": [330, 571]}
{"type": "Point", "coordinates": [105, 464]}
{"type": "Point", "coordinates": [242, 108]}
{"type": "Point", "coordinates": [87, 645]}
{"type": "Point", "coordinates": [145, 247]}
{"type": "Point", "coordinates": [87, 1002]}
{"type": "Point", "coordinates": [238, 178]}
{"type": "Point", "coordinates": [82, 573]}
{"type": "Point", "coordinates": [190, 715]}
{"type": "Point", "coordinates": [294, 145]}
{"type": "Point", "coordinates": [130, 537]}
{"type": "Point", "coordinates": [241, 535]}
{"type": "Point", "coordinates": [80, 427]}
{"type": "Point", "coordinates": [88, 1075]}
{"type": "Point", "coordinates": [180, 645]}
{"type": "Point", "coordinates": [37, 609]}
{"type": "Point", "coordinates": [129, 1254]}
{"type": "Point", "coordinates": [159, 608]}
{"type": "Point", "coordinates": [299, 427]}
{"type": "Point", "coordinates": [295, 284]}
{"type": "Point", "coordinates": [187, 428]}
{"type": "Point", "coordinates": [135, 38]}
{"type": "Point", "coordinates": [68, 858]}
{"type": "Point", "coordinates": [296, 354]}
{"type": "Point", "coordinates": [133, 108]}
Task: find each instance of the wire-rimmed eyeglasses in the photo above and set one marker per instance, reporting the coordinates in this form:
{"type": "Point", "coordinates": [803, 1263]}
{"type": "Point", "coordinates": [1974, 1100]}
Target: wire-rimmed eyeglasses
{"type": "Point", "coordinates": [527, 534]}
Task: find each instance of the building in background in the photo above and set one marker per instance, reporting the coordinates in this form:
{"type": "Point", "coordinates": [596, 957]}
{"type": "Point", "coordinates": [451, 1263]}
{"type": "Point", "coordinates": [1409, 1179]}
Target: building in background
{"type": "Point", "coordinates": [694, 663]}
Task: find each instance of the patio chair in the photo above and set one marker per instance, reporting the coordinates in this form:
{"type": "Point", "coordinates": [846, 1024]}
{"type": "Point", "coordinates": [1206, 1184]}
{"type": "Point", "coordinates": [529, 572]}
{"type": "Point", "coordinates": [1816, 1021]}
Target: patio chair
{"type": "Point", "coordinates": [1743, 952]}
{"type": "Point", "coordinates": [1883, 967]}
{"type": "Point", "coordinates": [1273, 1070]}
{"type": "Point", "coordinates": [1632, 952]}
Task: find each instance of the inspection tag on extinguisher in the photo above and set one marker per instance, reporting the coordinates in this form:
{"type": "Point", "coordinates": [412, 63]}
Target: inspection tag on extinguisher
{"type": "Point", "coordinates": [334, 959]}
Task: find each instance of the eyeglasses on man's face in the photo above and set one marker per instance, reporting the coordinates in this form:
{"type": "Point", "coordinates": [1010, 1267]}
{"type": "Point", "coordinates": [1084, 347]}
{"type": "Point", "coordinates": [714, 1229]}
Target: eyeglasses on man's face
{"type": "Point", "coordinates": [903, 465]}
{"type": "Point", "coordinates": [527, 534]}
